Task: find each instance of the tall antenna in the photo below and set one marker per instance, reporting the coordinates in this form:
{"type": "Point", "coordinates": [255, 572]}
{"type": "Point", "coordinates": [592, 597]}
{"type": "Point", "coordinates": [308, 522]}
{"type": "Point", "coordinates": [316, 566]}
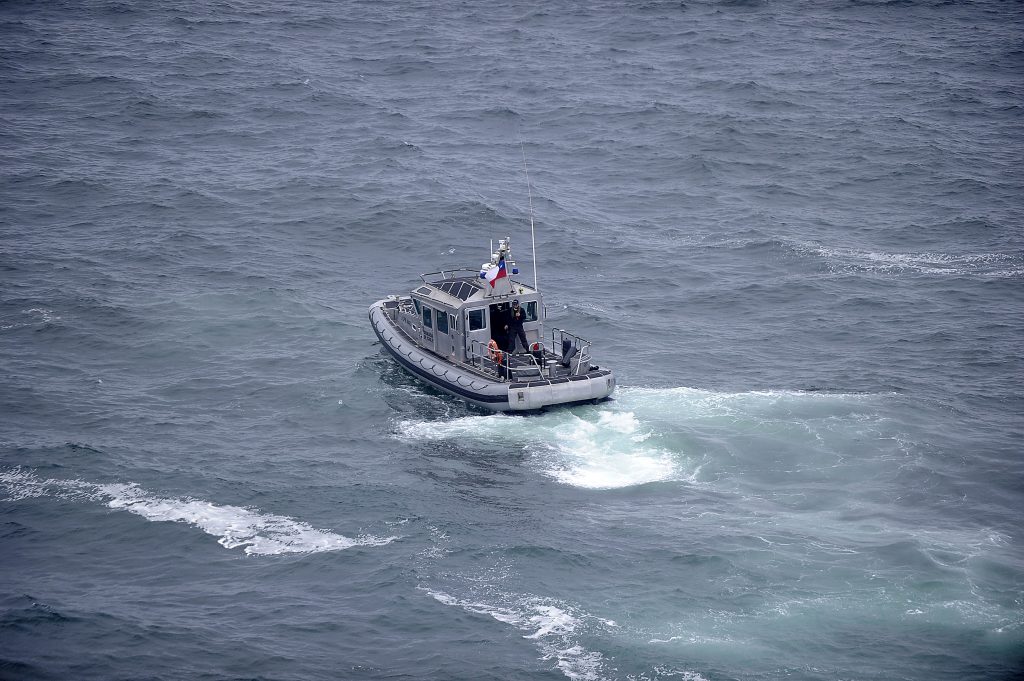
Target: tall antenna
{"type": "Point", "coordinates": [533, 237]}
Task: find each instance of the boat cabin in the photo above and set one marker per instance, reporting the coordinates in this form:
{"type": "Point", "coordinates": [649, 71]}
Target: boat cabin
{"type": "Point", "coordinates": [457, 313]}
{"type": "Point", "coordinates": [454, 315]}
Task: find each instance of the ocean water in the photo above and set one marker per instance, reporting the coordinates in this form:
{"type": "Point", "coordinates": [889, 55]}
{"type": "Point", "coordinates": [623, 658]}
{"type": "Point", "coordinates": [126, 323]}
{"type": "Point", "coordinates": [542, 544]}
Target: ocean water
{"type": "Point", "coordinates": [793, 229]}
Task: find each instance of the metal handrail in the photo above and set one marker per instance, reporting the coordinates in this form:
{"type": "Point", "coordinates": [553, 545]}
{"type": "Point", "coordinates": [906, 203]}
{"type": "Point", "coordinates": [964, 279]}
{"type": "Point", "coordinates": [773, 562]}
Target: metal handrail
{"type": "Point", "coordinates": [478, 351]}
{"type": "Point", "coordinates": [476, 354]}
{"type": "Point", "coordinates": [582, 345]}
{"type": "Point", "coordinates": [450, 273]}
{"type": "Point", "coordinates": [473, 354]}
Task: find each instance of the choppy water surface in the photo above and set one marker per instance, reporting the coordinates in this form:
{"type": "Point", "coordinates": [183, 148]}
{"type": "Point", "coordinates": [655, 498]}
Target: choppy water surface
{"type": "Point", "coordinates": [793, 230]}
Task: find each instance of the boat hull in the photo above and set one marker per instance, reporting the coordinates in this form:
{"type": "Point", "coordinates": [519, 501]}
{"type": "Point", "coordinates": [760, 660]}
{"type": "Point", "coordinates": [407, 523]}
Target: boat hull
{"type": "Point", "coordinates": [470, 386]}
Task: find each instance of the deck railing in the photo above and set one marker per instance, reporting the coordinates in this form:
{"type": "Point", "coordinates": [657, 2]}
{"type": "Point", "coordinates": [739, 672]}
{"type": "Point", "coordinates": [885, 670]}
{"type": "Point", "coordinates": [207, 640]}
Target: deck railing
{"type": "Point", "coordinates": [568, 346]}
{"type": "Point", "coordinates": [478, 352]}
{"type": "Point", "coordinates": [565, 348]}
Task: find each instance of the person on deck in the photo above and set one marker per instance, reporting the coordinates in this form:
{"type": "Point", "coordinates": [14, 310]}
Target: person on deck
{"type": "Point", "coordinates": [516, 317]}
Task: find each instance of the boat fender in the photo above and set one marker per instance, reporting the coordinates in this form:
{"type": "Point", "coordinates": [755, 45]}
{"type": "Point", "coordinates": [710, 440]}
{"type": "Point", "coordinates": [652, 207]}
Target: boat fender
{"type": "Point", "coordinates": [494, 352]}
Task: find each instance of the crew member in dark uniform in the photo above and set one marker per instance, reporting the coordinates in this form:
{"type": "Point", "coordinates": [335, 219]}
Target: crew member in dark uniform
{"type": "Point", "coordinates": [516, 317]}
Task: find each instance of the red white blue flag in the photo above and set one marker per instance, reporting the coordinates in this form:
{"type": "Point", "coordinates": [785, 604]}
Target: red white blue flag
{"type": "Point", "coordinates": [496, 273]}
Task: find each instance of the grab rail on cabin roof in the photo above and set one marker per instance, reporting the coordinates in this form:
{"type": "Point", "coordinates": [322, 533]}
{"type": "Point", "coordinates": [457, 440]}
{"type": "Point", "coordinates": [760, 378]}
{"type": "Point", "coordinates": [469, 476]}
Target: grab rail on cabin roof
{"type": "Point", "coordinates": [451, 272]}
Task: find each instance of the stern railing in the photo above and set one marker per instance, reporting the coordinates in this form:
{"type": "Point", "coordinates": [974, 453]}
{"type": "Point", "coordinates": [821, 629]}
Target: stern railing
{"type": "Point", "coordinates": [568, 346]}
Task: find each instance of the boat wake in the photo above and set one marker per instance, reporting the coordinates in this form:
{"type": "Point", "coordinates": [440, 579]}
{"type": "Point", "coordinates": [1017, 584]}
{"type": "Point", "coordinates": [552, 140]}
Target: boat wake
{"type": "Point", "coordinates": [848, 260]}
{"type": "Point", "coordinates": [646, 435]}
{"type": "Point", "coordinates": [555, 627]}
{"type": "Point", "coordinates": [561, 631]}
{"type": "Point", "coordinates": [583, 447]}
{"type": "Point", "coordinates": [235, 527]}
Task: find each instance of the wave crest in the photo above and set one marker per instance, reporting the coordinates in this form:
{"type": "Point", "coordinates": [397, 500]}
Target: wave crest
{"type": "Point", "coordinates": [235, 527]}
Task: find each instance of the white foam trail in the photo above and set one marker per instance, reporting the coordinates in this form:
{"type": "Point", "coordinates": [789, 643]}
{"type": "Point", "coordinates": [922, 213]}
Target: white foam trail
{"type": "Point", "coordinates": [44, 315]}
{"type": "Point", "coordinates": [635, 439]}
{"type": "Point", "coordinates": [235, 527]}
{"type": "Point", "coordinates": [492, 425]}
{"type": "Point", "coordinates": [608, 453]}
{"type": "Point", "coordinates": [39, 315]}
{"type": "Point", "coordinates": [997, 265]}
{"type": "Point", "coordinates": [662, 672]}
{"type": "Point", "coordinates": [595, 449]}
{"type": "Point", "coordinates": [553, 626]}
{"type": "Point", "coordinates": [693, 403]}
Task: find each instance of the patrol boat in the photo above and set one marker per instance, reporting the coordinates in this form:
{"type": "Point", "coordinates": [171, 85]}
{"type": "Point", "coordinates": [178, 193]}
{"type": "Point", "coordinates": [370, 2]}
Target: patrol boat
{"type": "Point", "coordinates": [450, 333]}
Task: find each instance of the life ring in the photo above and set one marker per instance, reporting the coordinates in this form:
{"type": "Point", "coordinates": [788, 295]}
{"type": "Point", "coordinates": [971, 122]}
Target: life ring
{"type": "Point", "coordinates": [535, 347]}
{"type": "Point", "coordinates": [494, 352]}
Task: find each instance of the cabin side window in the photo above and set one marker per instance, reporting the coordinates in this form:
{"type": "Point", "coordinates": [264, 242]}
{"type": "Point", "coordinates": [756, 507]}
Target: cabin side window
{"type": "Point", "coordinates": [531, 311]}
{"type": "Point", "coordinates": [477, 320]}
{"type": "Point", "coordinates": [427, 324]}
{"type": "Point", "coordinates": [417, 304]}
{"type": "Point", "coordinates": [442, 321]}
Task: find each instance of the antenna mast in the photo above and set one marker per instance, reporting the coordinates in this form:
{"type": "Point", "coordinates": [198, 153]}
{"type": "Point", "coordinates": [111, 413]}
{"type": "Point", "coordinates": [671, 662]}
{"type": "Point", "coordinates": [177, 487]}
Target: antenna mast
{"type": "Point", "coordinates": [533, 237]}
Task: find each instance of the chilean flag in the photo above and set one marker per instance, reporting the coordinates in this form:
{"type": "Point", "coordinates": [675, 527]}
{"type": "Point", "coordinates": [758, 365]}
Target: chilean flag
{"type": "Point", "coordinates": [496, 273]}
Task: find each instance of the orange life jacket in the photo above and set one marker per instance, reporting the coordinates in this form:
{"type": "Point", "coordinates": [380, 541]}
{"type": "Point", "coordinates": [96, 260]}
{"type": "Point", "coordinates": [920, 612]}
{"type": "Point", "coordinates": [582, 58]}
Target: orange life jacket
{"type": "Point", "coordinates": [494, 353]}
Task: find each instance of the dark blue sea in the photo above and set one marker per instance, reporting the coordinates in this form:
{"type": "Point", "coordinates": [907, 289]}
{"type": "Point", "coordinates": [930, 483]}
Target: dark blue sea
{"type": "Point", "coordinates": [794, 229]}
